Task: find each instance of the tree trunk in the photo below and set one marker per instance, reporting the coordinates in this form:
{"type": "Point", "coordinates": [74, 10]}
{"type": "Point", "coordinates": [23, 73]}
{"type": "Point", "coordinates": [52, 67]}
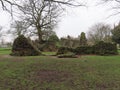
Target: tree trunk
{"type": "Point", "coordinates": [31, 43]}
{"type": "Point", "coordinates": [39, 34]}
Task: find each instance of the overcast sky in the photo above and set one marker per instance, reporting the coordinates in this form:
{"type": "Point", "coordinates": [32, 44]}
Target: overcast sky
{"type": "Point", "coordinates": [81, 19]}
{"type": "Point", "coordinates": [76, 20]}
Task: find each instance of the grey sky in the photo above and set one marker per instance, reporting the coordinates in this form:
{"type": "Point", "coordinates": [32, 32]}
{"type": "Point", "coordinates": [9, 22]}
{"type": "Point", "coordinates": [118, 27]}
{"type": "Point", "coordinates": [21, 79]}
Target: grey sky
{"type": "Point", "coordinates": [76, 20]}
{"type": "Point", "coordinates": [81, 19]}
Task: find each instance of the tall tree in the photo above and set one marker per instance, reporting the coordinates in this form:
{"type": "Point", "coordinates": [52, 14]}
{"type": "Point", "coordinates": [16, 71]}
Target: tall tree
{"type": "Point", "coordinates": [115, 6]}
{"type": "Point", "coordinates": [116, 34]}
{"type": "Point", "coordinates": [2, 35]}
{"type": "Point", "coordinates": [10, 4]}
{"type": "Point", "coordinates": [64, 2]}
{"type": "Point", "coordinates": [99, 32]}
{"type": "Point", "coordinates": [18, 28]}
{"type": "Point", "coordinates": [1, 30]}
{"type": "Point", "coordinates": [40, 14]}
{"type": "Point", "coordinates": [83, 39]}
{"type": "Point", "coordinates": [47, 34]}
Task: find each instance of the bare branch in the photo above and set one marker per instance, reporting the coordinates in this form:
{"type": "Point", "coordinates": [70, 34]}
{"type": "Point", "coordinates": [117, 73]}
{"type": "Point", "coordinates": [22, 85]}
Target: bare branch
{"type": "Point", "coordinates": [68, 2]}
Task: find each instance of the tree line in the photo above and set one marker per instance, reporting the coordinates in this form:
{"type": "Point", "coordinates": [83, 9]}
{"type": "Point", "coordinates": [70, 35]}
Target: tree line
{"type": "Point", "coordinates": [40, 17]}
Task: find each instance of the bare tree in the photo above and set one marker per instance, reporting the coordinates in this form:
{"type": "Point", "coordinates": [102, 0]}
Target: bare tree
{"type": "Point", "coordinates": [99, 32]}
{"type": "Point", "coordinates": [66, 2]}
{"type": "Point", "coordinates": [40, 15]}
{"type": "Point", "coordinates": [1, 31]}
{"type": "Point", "coordinates": [18, 28]}
{"type": "Point", "coordinates": [118, 1]}
{"type": "Point", "coordinates": [47, 33]}
{"type": "Point", "coordinates": [9, 4]}
{"type": "Point", "coordinates": [2, 34]}
{"type": "Point", "coordinates": [115, 6]}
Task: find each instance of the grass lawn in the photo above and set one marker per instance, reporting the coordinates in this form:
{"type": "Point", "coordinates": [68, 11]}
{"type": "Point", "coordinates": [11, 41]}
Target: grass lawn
{"type": "Point", "coordinates": [51, 73]}
{"type": "Point", "coordinates": [5, 51]}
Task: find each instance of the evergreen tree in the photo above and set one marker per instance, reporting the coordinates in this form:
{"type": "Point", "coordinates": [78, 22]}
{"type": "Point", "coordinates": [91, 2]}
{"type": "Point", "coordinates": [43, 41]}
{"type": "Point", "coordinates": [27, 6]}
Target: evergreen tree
{"type": "Point", "coordinates": [83, 39]}
{"type": "Point", "coordinates": [116, 34]}
{"type": "Point", "coordinates": [24, 47]}
{"type": "Point", "coordinates": [53, 38]}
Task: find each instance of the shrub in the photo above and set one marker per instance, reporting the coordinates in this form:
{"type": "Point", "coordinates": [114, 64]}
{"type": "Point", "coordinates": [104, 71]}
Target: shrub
{"type": "Point", "coordinates": [64, 50]}
{"type": "Point", "coordinates": [67, 55]}
{"type": "Point", "coordinates": [103, 48]}
{"type": "Point", "coordinates": [22, 47]}
{"type": "Point", "coordinates": [84, 50]}
{"type": "Point", "coordinates": [48, 46]}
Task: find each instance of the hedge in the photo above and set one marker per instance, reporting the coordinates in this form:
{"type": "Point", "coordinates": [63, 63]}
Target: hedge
{"type": "Point", "coordinates": [101, 48]}
{"type": "Point", "coordinates": [84, 50]}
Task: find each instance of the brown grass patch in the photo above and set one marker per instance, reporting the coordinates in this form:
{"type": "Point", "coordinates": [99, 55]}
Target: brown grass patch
{"type": "Point", "coordinates": [52, 76]}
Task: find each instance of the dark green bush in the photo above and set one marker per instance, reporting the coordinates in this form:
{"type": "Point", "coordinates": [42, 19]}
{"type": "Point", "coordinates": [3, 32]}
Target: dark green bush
{"type": "Point", "coordinates": [48, 47]}
{"type": "Point", "coordinates": [84, 50]}
{"type": "Point", "coordinates": [64, 50]}
{"type": "Point", "coordinates": [67, 55]}
{"type": "Point", "coordinates": [22, 47]}
{"type": "Point", "coordinates": [103, 48]}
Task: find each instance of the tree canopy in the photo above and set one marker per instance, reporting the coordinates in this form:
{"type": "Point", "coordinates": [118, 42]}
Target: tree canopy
{"type": "Point", "coordinates": [83, 39]}
{"type": "Point", "coordinates": [116, 34]}
{"type": "Point", "coordinates": [99, 32]}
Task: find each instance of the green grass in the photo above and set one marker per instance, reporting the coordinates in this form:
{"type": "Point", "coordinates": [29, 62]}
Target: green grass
{"type": "Point", "coordinates": [5, 51]}
{"type": "Point", "coordinates": [51, 73]}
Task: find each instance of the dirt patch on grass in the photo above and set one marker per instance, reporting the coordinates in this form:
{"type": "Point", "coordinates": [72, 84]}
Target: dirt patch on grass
{"type": "Point", "coordinates": [5, 56]}
{"type": "Point", "coordinates": [52, 76]}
